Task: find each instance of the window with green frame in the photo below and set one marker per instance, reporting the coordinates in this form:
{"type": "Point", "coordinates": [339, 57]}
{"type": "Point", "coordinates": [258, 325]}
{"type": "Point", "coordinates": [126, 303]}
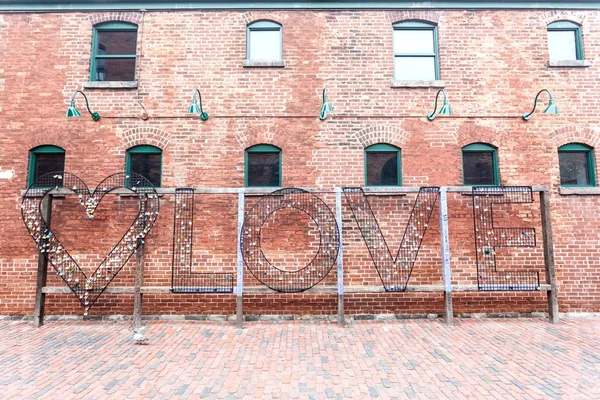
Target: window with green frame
{"type": "Point", "coordinates": [114, 49]}
{"type": "Point", "coordinates": [564, 41]}
{"type": "Point", "coordinates": [576, 164]}
{"type": "Point", "coordinates": [263, 166]}
{"type": "Point", "coordinates": [146, 161]}
{"type": "Point", "coordinates": [383, 165]}
{"type": "Point", "coordinates": [264, 41]}
{"type": "Point", "coordinates": [480, 165]}
{"type": "Point", "coordinates": [416, 56]}
{"type": "Point", "coordinates": [43, 160]}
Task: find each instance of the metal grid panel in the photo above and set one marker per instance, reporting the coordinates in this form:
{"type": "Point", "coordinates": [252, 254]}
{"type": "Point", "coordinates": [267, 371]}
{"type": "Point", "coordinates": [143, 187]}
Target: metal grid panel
{"type": "Point", "coordinates": [183, 280]}
{"type": "Point", "coordinates": [275, 277]}
{"type": "Point", "coordinates": [393, 271]}
{"type": "Point", "coordinates": [88, 288]}
{"type": "Point", "coordinates": [488, 239]}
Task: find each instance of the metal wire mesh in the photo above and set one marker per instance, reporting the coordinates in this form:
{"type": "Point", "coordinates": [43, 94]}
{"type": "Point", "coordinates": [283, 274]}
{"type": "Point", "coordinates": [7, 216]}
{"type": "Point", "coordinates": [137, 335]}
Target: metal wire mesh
{"type": "Point", "coordinates": [278, 277]}
{"type": "Point", "coordinates": [393, 271]}
{"type": "Point", "coordinates": [489, 239]}
{"type": "Point", "coordinates": [183, 280]}
{"type": "Point", "coordinates": [88, 288]}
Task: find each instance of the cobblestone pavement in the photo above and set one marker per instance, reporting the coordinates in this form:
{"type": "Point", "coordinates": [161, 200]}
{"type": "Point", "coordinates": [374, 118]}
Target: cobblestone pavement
{"type": "Point", "coordinates": [423, 359]}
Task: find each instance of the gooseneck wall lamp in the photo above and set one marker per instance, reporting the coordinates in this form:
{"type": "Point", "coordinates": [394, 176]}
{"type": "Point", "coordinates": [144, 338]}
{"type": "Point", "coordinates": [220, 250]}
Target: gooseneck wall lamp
{"type": "Point", "coordinates": [445, 110]}
{"type": "Point", "coordinates": [551, 109]}
{"type": "Point", "coordinates": [195, 109]}
{"type": "Point", "coordinates": [73, 112]}
{"type": "Point", "coordinates": [326, 107]}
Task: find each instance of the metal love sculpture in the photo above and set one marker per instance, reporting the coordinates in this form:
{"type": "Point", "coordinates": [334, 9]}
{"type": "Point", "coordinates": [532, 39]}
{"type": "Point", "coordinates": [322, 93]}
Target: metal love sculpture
{"type": "Point", "coordinates": [88, 288]}
{"type": "Point", "coordinates": [394, 271]}
{"type": "Point", "coordinates": [489, 238]}
{"type": "Point", "coordinates": [304, 277]}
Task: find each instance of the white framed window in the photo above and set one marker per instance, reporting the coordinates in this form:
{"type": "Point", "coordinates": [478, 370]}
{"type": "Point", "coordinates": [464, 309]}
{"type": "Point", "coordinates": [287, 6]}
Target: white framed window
{"type": "Point", "coordinates": [564, 41]}
{"type": "Point", "coordinates": [415, 51]}
{"type": "Point", "coordinates": [264, 41]}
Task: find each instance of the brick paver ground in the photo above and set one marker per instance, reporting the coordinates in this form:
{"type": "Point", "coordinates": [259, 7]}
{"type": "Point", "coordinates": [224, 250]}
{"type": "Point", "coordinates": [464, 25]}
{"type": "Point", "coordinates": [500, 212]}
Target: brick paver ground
{"type": "Point", "coordinates": [498, 359]}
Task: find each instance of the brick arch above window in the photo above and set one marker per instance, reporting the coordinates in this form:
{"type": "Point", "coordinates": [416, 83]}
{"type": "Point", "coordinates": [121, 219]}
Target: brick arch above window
{"type": "Point", "coordinates": [146, 136]}
{"type": "Point", "coordinates": [261, 15]}
{"type": "Point", "coordinates": [268, 20]}
{"type": "Point", "coordinates": [431, 17]}
{"type": "Point", "coordinates": [49, 138]}
{"type": "Point", "coordinates": [470, 133]}
{"type": "Point", "coordinates": [381, 134]}
{"type": "Point", "coordinates": [572, 134]}
{"type": "Point", "coordinates": [555, 16]}
{"type": "Point", "coordinates": [259, 135]}
{"type": "Point", "coordinates": [130, 17]}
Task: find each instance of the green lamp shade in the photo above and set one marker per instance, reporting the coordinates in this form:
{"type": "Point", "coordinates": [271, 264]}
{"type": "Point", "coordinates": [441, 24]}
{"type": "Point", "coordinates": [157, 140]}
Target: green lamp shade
{"type": "Point", "coordinates": [194, 109]}
{"type": "Point", "coordinates": [445, 110]}
{"type": "Point", "coordinates": [551, 109]}
{"type": "Point", "coordinates": [326, 108]}
{"type": "Point", "coordinates": [72, 112]}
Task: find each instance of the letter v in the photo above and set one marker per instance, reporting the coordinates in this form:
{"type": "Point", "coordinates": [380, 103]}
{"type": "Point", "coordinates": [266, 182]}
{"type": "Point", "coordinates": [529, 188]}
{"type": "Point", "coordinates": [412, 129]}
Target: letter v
{"type": "Point", "coordinates": [393, 271]}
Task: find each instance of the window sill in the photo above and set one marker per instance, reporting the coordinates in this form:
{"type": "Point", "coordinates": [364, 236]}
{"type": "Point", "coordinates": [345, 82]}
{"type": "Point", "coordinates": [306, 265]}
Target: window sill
{"type": "Point", "coordinates": [569, 63]}
{"type": "Point", "coordinates": [128, 193]}
{"type": "Point", "coordinates": [417, 84]}
{"type": "Point", "coordinates": [391, 190]}
{"type": "Point", "coordinates": [582, 190]}
{"type": "Point", "coordinates": [110, 85]}
{"type": "Point", "coordinates": [264, 64]}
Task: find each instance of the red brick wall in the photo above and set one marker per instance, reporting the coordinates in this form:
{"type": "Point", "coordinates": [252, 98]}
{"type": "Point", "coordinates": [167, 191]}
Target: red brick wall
{"type": "Point", "coordinates": [492, 63]}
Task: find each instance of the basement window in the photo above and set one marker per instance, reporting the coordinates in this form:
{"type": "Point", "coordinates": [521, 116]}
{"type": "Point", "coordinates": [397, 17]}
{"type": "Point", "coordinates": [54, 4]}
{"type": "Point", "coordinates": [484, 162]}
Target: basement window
{"type": "Point", "coordinates": [145, 161]}
{"type": "Point", "coordinates": [480, 165]}
{"type": "Point", "coordinates": [45, 160]}
{"type": "Point", "coordinates": [576, 163]}
{"type": "Point", "coordinates": [263, 166]}
{"type": "Point", "coordinates": [382, 165]}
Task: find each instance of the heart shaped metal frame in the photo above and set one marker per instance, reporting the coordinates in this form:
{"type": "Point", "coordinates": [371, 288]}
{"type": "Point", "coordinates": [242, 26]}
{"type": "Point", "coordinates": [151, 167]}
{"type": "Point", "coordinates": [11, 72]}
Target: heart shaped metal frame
{"type": "Point", "coordinates": [88, 288]}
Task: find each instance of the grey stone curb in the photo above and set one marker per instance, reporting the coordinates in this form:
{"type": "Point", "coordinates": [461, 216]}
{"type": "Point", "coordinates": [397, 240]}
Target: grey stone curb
{"type": "Point", "coordinates": [292, 317]}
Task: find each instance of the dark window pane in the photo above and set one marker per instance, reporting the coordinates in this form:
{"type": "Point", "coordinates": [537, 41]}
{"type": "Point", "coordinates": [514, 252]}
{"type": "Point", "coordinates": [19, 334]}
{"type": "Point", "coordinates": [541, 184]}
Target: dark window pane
{"type": "Point", "coordinates": [116, 43]}
{"type": "Point", "coordinates": [574, 168]}
{"type": "Point", "coordinates": [478, 168]}
{"type": "Point", "coordinates": [45, 163]}
{"type": "Point", "coordinates": [120, 69]}
{"type": "Point", "coordinates": [263, 169]}
{"type": "Point", "coordinates": [382, 168]}
{"type": "Point", "coordinates": [147, 165]}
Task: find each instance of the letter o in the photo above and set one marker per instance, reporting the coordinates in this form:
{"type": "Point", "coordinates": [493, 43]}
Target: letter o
{"type": "Point", "coordinates": [322, 262]}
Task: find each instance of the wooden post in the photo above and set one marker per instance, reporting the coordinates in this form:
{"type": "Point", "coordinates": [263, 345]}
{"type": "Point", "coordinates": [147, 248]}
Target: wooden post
{"type": "Point", "coordinates": [239, 289]}
{"type": "Point", "coordinates": [549, 257]}
{"type": "Point", "coordinates": [42, 270]}
{"type": "Point", "coordinates": [139, 282]}
{"type": "Point", "coordinates": [446, 272]}
{"type": "Point", "coordinates": [340, 258]}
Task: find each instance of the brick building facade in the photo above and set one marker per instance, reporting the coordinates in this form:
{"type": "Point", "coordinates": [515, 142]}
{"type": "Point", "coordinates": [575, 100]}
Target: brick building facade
{"type": "Point", "coordinates": [492, 58]}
